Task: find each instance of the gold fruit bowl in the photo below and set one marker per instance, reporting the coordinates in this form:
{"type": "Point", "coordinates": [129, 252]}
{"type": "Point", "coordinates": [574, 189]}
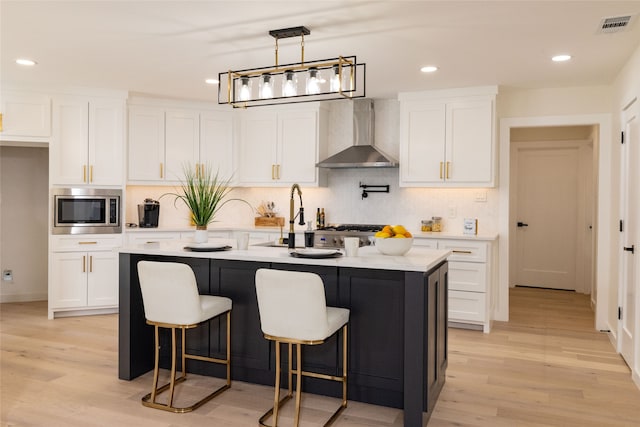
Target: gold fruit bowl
{"type": "Point", "coordinates": [394, 245]}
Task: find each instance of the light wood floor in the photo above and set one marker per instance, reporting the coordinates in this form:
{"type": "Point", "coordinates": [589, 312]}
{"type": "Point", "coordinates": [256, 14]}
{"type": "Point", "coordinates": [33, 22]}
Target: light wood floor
{"type": "Point", "coordinates": [547, 367]}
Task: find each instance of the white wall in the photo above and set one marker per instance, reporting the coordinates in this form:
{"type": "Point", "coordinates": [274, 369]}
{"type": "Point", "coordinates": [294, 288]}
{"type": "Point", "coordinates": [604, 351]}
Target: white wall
{"type": "Point", "coordinates": [24, 188]}
{"type": "Point", "coordinates": [342, 197]}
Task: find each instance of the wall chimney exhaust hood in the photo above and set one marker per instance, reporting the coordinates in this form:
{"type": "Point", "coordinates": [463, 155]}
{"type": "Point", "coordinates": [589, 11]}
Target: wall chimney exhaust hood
{"type": "Point", "coordinates": [363, 153]}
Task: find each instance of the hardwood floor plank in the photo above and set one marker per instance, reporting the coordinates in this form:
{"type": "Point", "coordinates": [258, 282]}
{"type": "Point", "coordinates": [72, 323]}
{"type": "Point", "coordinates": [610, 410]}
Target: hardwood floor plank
{"type": "Point", "coordinates": [546, 367]}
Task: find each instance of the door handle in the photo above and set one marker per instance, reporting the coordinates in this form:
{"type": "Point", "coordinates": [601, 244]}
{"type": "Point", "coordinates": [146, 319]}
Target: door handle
{"type": "Point", "coordinates": [522, 224]}
{"type": "Point", "coordinates": [632, 249]}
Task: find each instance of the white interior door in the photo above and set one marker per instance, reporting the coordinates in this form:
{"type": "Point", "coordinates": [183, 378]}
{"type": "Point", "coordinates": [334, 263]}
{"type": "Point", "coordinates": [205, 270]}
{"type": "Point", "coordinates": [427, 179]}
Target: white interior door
{"type": "Point", "coordinates": [630, 208]}
{"type": "Point", "coordinates": [548, 188]}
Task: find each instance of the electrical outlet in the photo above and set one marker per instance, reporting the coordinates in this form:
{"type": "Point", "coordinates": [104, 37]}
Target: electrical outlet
{"type": "Point", "coordinates": [481, 196]}
{"type": "Point", "coordinates": [7, 276]}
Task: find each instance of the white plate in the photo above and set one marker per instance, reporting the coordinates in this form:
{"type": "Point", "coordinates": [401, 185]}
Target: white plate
{"type": "Point", "coordinates": [202, 247]}
{"type": "Point", "coordinates": [316, 253]}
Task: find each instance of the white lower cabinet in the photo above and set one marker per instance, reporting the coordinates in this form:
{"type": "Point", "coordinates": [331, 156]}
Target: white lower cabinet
{"type": "Point", "coordinates": [470, 278]}
{"type": "Point", "coordinates": [83, 275]}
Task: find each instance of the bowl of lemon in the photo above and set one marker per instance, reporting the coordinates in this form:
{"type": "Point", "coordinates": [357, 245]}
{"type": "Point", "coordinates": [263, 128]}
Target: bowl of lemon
{"type": "Point", "coordinates": [393, 240]}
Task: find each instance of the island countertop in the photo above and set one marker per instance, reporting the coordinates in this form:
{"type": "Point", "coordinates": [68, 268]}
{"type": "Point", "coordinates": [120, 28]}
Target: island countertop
{"type": "Point", "coordinates": [418, 259]}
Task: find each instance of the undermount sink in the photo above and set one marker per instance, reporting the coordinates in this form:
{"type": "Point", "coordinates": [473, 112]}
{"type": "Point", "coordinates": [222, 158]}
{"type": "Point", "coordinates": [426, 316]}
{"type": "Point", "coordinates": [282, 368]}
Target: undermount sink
{"type": "Point", "coordinates": [275, 245]}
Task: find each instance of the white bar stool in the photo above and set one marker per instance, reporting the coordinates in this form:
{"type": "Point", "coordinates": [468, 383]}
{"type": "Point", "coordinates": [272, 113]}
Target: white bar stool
{"type": "Point", "coordinates": [293, 310]}
{"type": "Point", "coordinates": [171, 300]}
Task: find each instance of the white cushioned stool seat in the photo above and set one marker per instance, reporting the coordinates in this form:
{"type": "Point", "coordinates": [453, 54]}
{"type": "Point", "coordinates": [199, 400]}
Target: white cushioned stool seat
{"type": "Point", "coordinates": [171, 300]}
{"type": "Point", "coordinates": [293, 310]}
{"type": "Point", "coordinates": [213, 306]}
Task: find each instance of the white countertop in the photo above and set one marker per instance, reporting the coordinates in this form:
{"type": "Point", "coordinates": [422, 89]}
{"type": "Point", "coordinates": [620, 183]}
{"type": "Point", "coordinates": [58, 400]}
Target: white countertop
{"type": "Point", "coordinates": [417, 259]}
{"type": "Point", "coordinates": [416, 235]}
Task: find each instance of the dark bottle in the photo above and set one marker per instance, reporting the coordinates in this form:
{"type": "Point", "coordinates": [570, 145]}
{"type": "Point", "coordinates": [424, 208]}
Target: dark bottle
{"type": "Point", "coordinates": [318, 225]}
{"type": "Point", "coordinates": [322, 218]}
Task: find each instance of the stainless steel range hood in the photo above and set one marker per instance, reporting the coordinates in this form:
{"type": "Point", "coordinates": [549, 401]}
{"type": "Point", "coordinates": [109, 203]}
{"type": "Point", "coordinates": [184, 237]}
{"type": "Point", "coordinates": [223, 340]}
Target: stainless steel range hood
{"type": "Point", "coordinates": [363, 153]}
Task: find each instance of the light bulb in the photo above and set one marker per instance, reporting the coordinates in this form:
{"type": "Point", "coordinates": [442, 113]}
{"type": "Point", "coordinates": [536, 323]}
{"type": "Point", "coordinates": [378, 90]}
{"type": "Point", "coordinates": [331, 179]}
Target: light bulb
{"type": "Point", "coordinates": [245, 89]}
{"type": "Point", "coordinates": [335, 81]}
{"type": "Point", "coordinates": [313, 82]}
{"type": "Point", "coordinates": [289, 84]}
{"type": "Point", "coordinates": [266, 86]}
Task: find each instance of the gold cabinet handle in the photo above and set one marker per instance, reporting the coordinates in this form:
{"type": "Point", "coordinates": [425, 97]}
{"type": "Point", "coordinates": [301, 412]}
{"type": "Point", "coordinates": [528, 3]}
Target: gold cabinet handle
{"type": "Point", "coordinates": [161, 171]}
{"type": "Point", "coordinates": [277, 171]}
{"type": "Point", "coordinates": [0, 122]}
{"type": "Point", "coordinates": [84, 173]}
{"type": "Point", "coordinates": [447, 169]}
{"type": "Point", "coordinates": [91, 173]}
{"type": "Point", "coordinates": [440, 170]}
{"type": "Point", "coordinates": [90, 263]}
{"type": "Point", "coordinates": [461, 252]}
{"type": "Point", "coordinates": [84, 264]}
{"type": "Point", "coordinates": [87, 243]}
{"type": "Point", "coordinates": [273, 173]}
{"type": "Point", "coordinates": [202, 172]}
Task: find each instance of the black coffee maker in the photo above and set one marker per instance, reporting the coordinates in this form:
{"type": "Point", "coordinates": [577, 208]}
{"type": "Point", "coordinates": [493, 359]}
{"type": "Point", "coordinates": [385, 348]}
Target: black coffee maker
{"type": "Point", "coordinates": [149, 213]}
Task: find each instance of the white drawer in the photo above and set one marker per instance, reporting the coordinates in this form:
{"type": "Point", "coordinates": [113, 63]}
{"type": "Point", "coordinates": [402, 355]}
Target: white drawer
{"type": "Point", "coordinates": [90, 242]}
{"type": "Point", "coordinates": [152, 237]}
{"type": "Point", "coordinates": [216, 235]}
{"type": "Point", "coordinates": [467, 306]}
{"type": "Point", "coordinates": [465, 250]}
{"type": "Point", "coordinates": [426, 243]}
{"type": "Point", "coordinates": [467, 276]}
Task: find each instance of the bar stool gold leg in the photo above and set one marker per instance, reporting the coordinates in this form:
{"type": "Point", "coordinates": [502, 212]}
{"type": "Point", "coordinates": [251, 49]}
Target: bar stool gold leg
{"type": "Point", "coordinates": [298, 383]}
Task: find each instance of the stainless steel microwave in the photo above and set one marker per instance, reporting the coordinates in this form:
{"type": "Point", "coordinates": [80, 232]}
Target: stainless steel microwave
{"type": "Point", "coordinates": [86, 211]}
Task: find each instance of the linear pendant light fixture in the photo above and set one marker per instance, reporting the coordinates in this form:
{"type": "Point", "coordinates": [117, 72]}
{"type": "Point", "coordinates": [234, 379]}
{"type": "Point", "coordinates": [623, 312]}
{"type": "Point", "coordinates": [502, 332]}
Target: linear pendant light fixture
{"type": "Point", "coordinates": [305, 81]}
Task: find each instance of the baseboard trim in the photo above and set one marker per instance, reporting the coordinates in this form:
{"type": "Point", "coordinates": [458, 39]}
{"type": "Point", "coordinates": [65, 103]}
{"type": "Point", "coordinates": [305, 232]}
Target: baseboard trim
{"type": "Point", "coordinates": [23, 297]}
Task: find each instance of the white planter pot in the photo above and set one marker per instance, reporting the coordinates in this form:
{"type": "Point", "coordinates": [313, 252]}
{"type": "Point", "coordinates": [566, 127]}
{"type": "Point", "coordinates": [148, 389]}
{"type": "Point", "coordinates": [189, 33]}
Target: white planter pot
{"type": "Point", "coordinates": [201, 236]}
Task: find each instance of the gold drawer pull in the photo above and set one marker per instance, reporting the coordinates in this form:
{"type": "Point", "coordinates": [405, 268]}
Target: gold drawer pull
{"type": "Point", "coordinates": [440, 170]}
{"type": "Point", "coordinates": [87, 243]}
{"type": "Point", "coordinates": [161, 171]}
{"type": "Point", "coordinates": [84, 173]}
{"type": "Point", "coordinates": [91, 173]}
{"type": "Point", "coordinates": [90, 263]}
{"type": "Point", "coordinates": [84, 263]}
{"type": "Point", "coordinates": [462, 252]}
{"type": "Point", "coordinates": [447, 169]}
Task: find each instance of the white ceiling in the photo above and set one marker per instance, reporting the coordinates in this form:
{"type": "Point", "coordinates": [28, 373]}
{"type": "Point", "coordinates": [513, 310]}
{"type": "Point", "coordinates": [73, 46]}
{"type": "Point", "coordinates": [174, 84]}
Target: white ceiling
{"type": "Point", "coordinates": [168, 48]}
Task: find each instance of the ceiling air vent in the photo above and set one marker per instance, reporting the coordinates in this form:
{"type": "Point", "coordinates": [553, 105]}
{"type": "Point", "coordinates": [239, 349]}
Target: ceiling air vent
{"type": "Point", "coordinates": [615, 24]}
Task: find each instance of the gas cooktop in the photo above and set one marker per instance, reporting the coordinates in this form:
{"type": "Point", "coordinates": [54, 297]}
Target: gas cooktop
{"type": "Point", "coordinates": [332, 236]}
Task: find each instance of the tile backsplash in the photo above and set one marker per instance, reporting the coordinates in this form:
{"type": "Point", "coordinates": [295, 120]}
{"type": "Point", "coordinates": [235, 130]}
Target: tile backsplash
{"type": "Point", "coordinates": [343, 203]}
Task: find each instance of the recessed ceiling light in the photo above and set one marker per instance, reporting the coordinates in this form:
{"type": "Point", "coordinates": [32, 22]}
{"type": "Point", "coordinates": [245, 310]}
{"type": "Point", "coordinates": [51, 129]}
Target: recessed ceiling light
{"type": "Point", "coordinates": [561, 58]}
{"type": "Point", "coordinates": [26, 62]}
{"type": "Point", "coordinates": [211, 81]}
{"type": "Point", "coordinates": [429, 69]}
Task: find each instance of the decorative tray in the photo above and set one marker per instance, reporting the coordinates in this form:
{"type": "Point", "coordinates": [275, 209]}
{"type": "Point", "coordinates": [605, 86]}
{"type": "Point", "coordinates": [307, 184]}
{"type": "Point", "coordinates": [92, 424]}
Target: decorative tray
{"type": "Point", "coordinates": [315, 253]}
{"type": "Point", "coordinates": [207, 247]}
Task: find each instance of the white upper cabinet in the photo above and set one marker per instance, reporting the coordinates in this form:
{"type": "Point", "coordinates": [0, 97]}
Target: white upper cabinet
{"type": "Point", "coordinates": [25, 117]}
{"type": "Point", "coordinates": [280, 146]}
{"type": "Point", "coordinates": [447, 138]}
{"type": "Point", "coordinates": [146, 143]}
{"type": "Point", "coordinates": [216, 136]}
{"type": "Point", "coordinates": [88, 141]}
{"type": "Point", "coordinates": [162, 140]}
{"type": "Point", "coordinates": [181, 143]}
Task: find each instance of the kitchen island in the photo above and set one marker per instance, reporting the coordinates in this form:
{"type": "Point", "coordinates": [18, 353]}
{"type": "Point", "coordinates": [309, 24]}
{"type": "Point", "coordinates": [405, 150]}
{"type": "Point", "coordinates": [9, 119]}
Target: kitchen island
{"type": "Point", "coordinates": [398, 321]}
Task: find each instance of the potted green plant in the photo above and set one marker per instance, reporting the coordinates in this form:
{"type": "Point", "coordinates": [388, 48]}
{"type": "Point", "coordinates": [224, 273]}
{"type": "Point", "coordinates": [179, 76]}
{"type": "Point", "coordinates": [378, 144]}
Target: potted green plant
{"type": "Point", "coordinates": [204, 193]}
